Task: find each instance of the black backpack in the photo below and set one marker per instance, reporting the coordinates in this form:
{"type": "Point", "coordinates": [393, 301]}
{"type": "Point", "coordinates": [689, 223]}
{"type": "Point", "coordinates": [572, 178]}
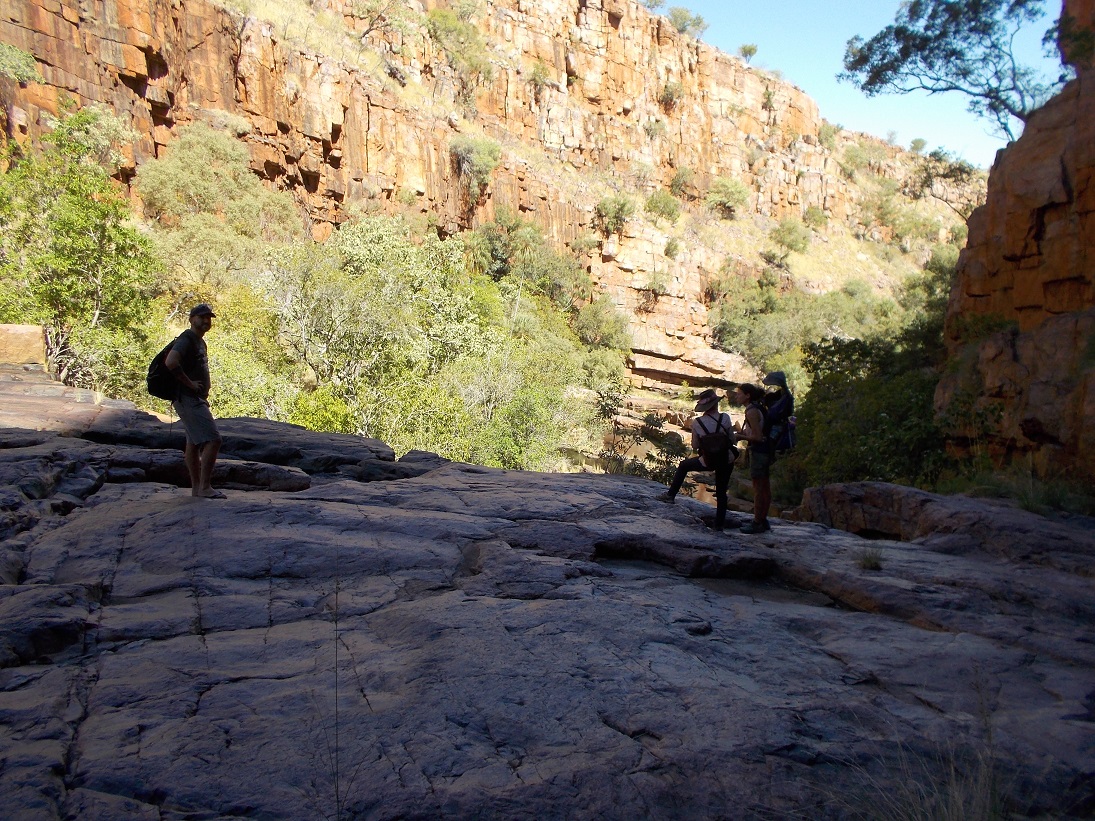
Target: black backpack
{"type": "Point", "coordinates": [161, 382]}
{"type": "Point", "coordinates": [778, 427]}
{"type": "Point", "coordinates": [715, 446]}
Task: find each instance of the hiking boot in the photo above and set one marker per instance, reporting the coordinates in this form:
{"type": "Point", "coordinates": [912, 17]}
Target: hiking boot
{"type": "Point", "coordinates": [666, 497]}
{"type": "Point", "coordinates": [756, 527]}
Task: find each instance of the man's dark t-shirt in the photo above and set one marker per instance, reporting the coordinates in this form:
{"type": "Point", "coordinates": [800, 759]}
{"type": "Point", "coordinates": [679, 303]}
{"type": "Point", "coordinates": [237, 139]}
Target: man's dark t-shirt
{"type": "Point", "coordinates": [195, 364]}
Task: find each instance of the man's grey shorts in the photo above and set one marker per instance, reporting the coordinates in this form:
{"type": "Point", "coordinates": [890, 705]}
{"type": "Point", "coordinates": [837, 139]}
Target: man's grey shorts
{"type": "Point", "coordinates": [196, 417]}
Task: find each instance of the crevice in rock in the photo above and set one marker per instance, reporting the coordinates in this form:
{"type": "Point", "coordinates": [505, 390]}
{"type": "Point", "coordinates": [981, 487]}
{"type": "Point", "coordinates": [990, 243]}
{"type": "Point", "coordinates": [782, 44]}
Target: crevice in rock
{"type": "Point", "coordinates": [80, 688]}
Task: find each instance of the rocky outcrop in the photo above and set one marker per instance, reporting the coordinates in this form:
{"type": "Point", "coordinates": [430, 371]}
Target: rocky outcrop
{"type": "Point", "coordinates": [69, 442]}
{"type": "Point", "coordinates": [580, 82]}
{"type": "Point", "coordinates": [1020, 322]}
{"type": "Point", "coordinates": [471, 642]}
{"type": "Point", "coordinates": [952, 524]}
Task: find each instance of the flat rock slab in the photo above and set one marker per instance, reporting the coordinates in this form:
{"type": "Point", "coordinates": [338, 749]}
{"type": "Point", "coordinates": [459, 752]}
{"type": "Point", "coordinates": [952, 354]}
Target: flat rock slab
{"type": "Point", "coordinates": [472, 642]}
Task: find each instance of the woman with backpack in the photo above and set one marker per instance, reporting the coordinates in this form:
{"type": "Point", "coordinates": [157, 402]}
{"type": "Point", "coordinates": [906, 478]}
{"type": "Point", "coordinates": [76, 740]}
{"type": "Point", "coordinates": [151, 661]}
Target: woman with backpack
{"type": "Point", "coordinates": [755, 432]}
{"type": "Point", "coordinates": [713, 438]}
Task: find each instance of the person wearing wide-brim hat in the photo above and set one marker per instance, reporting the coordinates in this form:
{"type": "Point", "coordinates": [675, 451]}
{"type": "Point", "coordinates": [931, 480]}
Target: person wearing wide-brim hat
{"type": "Point", "coordinates": [712, 437]}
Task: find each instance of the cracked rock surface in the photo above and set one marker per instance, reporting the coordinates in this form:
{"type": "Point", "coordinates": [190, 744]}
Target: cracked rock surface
{"type": "Point", "coordinates": [468, 642]}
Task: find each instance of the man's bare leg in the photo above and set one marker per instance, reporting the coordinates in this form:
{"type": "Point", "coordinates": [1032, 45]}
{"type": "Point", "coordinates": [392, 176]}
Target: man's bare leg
{"type": "Point", "coordinates": [205, 459]}
{"type": "Point", "coordinates": [193, 467]}
{"type": "Point", "coordinates": [209, 452]}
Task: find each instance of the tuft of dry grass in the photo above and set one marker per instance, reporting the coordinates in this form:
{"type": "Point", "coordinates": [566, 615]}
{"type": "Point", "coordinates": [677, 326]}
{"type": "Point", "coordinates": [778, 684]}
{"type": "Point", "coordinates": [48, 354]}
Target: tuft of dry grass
{"type": "Point", "coordinates": [869, 558]}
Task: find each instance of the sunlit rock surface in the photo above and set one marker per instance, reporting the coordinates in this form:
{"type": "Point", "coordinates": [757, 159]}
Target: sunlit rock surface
{"type": "Point", "coordinates": [470, 642]}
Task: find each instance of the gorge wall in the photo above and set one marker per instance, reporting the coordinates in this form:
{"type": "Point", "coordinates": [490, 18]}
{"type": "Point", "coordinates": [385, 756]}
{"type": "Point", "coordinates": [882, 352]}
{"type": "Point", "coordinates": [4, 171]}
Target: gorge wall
{"type": "Point", "coordinates": [575, 101]}
{"type": "Point", "coordinates": [1021, 321]}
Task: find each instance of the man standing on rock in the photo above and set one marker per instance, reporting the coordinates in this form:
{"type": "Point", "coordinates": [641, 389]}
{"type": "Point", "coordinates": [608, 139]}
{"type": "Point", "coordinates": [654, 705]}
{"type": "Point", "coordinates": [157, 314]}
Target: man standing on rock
{"type": "Point", "coordinates": [189, 364]}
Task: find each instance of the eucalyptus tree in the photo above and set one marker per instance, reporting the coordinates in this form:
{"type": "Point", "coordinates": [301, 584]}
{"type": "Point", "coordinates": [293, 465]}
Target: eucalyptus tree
{"type": "Point", "coordinates": [963, 46]}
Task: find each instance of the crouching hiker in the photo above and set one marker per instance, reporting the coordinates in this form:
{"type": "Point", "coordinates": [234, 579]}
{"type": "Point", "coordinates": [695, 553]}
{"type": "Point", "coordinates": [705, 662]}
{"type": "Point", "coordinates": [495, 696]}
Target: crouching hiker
{"type": "Point", "coordinates": [761, 455]}
{"type": "Point", "coordinates": [712, 436]}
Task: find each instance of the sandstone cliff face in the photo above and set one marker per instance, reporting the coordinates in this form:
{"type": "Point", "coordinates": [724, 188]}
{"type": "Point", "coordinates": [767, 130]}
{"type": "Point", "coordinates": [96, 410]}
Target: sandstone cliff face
{"type": "Point", "coordinates": [1029, 389]}
{"type": "Point", "coordinates": [375, 123]}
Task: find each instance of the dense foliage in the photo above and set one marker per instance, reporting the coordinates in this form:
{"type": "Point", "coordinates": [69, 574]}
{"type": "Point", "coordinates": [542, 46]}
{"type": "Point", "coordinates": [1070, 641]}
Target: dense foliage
{"type": "Point", "coordinates": [869, 413]}
{"type": "Point", "coordinates": [393, 332]}
{"type": "Point", "coordinates": [69, 259]}
{"type": "Point", "coordinates": [770, 322]}
{"type": "Point", "coordinates": [419, 341]}
{"type": "Point", "coordinates": [728, 196]}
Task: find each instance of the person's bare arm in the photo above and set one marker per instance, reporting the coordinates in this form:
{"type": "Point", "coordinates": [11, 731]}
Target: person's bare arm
{"type": "Point", "coordinates": [753, 432]}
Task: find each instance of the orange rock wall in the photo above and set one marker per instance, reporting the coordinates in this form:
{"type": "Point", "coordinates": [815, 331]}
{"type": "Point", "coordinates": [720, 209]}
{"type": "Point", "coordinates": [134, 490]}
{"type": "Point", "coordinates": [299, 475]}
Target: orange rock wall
{"type": "Point", "coordinates": [339, 131]}
{"type": "Point", "coordinates": [1029, 389]}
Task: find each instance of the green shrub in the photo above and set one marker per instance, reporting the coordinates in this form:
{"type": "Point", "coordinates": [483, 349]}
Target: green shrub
{"type": "Point", "coordinates": [71, 259]}
{"type": "Point", "coordinates": [869, 413]}
{"type": "Point", "coordinates": [869, 558]}
{"type": "Point", "coordinates": [860, 157]}
{"type": "Point", "coordinates": [475, 160]}
{"type": "Point", "coordinates": [603, 325]}
{"type": "Point", "coordinates": [539, 77]}
{"type": "Point", "coordinates": [323, 410]}
{"type": "Point", "coordinates": [910, 224]}
{"type": "Point", "coordinates": [770, 325]}
{"type": "Point", "coordinates": [671, 94]}
{"type": "Point", "coordinates": [728, 196]}
{"type": "Point", "coordinates": [613, 212]}
{"type": "Point", "coordinates": [826, 134]}
{"type": "Point", "coordinates": [682, 179]}
{"type": "Point", "coordinates": [792, 235]}
{"type": "Point", "coordinates": [747, 51]}
{"type": "Point", "coordinates": [463, 45]}
{"type": "Point", "coordinates": [672, 247]}
{"type": "Point", "coordinates": [208, 172]}
{"type": "Point", "coordinates": [663, 204]}
{"type": "Point", "coordinates": [881, 206]}
{"type": "Point", "coordinates": [867, 418]}
{"type": "Point", "coordinates": [18, 65]}
{"type": "Point", "coordinates": [652, 290]}
{"type": "Point", "coordinates": [815, 217]}
{"type": "Point", "coordinates": [686, 22]}
{"type": "Point", "coordinates": [918, 145]}
{"type": "Point", "coordinates": [584, 243]}
{"type": "Point", "coordinates": [513, 247]}
{"type": "Point", "coordinates": [654, 128]}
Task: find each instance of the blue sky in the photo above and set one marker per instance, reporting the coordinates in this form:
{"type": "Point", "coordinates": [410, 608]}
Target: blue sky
{"type": "Point", "coordinates": [804, 39]}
